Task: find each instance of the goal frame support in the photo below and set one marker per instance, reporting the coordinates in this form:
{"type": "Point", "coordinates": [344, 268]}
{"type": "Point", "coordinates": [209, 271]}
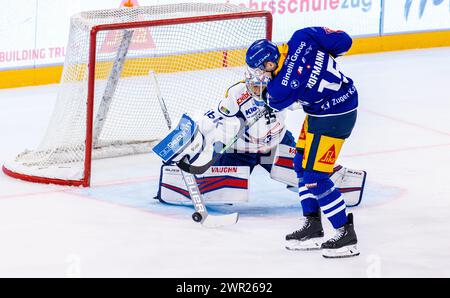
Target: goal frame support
{"type": "Point", "coordinates": [86, 180]}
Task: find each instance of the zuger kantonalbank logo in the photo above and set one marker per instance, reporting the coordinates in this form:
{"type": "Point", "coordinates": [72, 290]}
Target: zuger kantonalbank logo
{"type": "Point", "coordinates": [422, 6]}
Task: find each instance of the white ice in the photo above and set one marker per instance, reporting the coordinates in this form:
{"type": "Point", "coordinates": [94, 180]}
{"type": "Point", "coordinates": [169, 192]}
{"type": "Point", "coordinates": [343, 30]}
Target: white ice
{"type": "Point", "coordinates": [116, 229]}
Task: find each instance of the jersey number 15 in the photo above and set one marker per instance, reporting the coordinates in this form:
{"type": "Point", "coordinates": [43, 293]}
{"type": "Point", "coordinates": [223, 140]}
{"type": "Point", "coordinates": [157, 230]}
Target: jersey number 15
{"type": "Point", "coordinates": [332, 68]}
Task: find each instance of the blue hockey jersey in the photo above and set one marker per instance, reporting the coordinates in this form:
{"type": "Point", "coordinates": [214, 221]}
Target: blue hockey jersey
{"type": "Point", "coordinates": [307, 73]}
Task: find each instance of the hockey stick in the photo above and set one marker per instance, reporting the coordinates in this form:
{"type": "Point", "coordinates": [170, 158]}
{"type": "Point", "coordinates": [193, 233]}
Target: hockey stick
{"type": "Point", "coordinates": [197, 170]}
{"type": "Point", "coordinates": [201, 213]}
{"type": "Point", "coordinates": [161, 101]}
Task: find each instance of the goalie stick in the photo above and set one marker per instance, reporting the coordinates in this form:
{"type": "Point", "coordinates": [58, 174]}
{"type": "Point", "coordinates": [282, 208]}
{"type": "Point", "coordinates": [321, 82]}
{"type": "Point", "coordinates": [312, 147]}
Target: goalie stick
{"type": "Point", "coordinates": [197, 170]}
{"type": "Point", "coordinates": [201, 213]}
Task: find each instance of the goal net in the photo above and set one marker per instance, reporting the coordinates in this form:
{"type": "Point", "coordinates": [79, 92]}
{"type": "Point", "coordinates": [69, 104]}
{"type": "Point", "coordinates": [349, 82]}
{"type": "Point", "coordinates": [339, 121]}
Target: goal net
{"type": "Point", "coordinates": [119, 63]}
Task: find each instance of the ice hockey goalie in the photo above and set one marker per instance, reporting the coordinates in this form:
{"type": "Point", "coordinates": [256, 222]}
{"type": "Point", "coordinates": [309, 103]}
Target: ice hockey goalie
{"type": "Point", "coordinates": [266, 143]}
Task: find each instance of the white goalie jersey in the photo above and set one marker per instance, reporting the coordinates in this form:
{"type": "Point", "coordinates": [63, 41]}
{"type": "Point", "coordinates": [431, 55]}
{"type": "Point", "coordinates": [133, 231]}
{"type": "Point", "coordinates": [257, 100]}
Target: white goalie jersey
{"type": "Point", "coordinates": [223, 122]}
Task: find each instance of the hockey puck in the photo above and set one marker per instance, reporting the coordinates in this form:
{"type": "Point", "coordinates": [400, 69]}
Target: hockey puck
{"type": "Point", "coordinates": [197, 217]}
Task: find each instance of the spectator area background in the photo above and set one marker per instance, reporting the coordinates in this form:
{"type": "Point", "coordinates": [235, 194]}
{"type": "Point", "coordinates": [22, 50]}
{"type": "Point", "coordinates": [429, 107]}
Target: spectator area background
{"type": "Point", "coordinates": [34, 33]}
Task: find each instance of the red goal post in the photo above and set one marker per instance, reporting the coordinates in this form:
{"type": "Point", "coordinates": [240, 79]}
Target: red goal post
{"type": "Point", "coordinates": [69, 146]}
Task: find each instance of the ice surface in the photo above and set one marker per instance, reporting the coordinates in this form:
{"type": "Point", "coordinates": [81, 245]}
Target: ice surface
{"type": "Point", "coordinates": [115, 228]}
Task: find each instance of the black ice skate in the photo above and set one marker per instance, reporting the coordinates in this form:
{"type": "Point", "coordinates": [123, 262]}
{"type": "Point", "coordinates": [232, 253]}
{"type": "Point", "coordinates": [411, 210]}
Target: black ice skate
{"type": "Point", "coordinates": [309, 237]}
{"type": "Point", "coordinates": [343, 244]}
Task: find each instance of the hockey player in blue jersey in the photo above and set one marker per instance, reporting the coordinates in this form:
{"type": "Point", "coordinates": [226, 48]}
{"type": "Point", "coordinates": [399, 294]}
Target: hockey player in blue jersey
{"type": "Point", "coordinates": [305, 72]}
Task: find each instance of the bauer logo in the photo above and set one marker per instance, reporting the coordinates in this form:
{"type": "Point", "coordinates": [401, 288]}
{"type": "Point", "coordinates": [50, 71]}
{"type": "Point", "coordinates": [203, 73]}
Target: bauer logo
{"type": "Point", "coordinates": [194, 192]}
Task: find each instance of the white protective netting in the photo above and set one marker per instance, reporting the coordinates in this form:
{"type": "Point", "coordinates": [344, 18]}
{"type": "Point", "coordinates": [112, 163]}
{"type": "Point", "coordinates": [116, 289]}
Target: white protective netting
{"type": "Point", "coordinates": [192, 64]}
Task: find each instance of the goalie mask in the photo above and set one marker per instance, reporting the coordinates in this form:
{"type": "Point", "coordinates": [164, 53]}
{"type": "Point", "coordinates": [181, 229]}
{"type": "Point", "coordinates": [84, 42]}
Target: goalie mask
{"type": "Point", "coordinates": [256, 83]}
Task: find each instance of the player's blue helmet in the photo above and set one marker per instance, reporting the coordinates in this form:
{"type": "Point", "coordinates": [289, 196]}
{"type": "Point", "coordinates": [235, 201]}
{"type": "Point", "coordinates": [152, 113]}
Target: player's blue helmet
{"type": "Point", "coordinates": [261, 51]}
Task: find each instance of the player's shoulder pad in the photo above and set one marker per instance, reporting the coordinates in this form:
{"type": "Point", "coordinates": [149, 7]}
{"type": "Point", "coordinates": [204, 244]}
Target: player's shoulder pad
{"type": "Point", "coordinates": [303, 33]}
{"type": "Point", "coordinates": [279, 97]}
{"type": "Point", "coordinates": [235, 96]}
{"type": "Point", "coordinates": [276, 89]}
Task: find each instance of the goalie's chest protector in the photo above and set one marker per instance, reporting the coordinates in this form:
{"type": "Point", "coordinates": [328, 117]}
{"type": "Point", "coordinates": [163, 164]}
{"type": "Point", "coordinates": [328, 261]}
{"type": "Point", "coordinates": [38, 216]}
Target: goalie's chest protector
{"type": "Point", "coordinates": [264, 135]}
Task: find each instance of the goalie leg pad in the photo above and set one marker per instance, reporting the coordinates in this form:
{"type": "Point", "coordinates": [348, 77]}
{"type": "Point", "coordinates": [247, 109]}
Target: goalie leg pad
{"type": "Point", "coordinates": [350, 183]}
{"type": "Point", "coordinates": [236, 159]}
{"type": "Point", "coordinates": [283, 163]}
{"type": "Point", "coordinates": [223, 184]}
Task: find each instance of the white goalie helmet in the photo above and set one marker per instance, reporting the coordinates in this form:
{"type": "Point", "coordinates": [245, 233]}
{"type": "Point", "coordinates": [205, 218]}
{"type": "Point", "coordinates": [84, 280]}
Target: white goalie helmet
{"type": "Point", "coordinates": [256, 82]}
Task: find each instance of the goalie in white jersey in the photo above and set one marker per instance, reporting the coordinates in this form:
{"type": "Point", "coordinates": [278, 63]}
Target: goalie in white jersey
{"type": "Point", "coordinates": [266, 143]}
{"type": "Point", "coordinates": [257, 145]}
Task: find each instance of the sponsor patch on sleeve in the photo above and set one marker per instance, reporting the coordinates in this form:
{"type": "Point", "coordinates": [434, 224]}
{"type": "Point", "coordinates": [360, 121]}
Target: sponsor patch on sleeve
{"type": "Point", "coordinates": [243, 98]}
{"type": "Point", "coordinates": [224, 110]}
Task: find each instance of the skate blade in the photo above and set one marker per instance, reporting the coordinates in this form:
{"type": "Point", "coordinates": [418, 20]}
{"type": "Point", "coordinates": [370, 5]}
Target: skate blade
{"type": "Point", "coordinates": [310, 244]}
{"type": "Point", "coordinates": [343, 252]}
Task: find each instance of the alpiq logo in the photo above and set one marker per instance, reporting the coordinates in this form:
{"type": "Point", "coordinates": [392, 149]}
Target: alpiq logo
{"type": "Point", "coordinates": [422, 6]}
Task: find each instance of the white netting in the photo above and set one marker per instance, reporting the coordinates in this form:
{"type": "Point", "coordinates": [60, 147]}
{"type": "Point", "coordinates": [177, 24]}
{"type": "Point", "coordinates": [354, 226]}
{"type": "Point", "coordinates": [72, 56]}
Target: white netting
{"type": "Point", "coordinates": [193, 63]}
